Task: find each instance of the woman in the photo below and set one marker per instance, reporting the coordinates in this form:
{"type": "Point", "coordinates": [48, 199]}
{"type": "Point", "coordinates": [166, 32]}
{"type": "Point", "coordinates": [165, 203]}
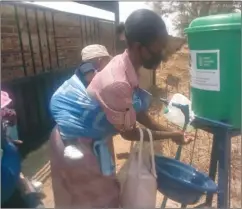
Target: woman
{"type": "Point", "coordinates": [10, 158]}
{"type": "Point", "coordinates": [111, 104]}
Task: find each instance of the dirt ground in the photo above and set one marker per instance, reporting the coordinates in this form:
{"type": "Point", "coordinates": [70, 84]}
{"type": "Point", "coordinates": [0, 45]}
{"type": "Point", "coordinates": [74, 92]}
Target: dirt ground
{"type": "Point", "coordinates": [177, 66]}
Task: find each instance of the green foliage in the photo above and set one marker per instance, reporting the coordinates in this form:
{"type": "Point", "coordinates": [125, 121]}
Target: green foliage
{"type": "Point", "coordinates": [184, 12]}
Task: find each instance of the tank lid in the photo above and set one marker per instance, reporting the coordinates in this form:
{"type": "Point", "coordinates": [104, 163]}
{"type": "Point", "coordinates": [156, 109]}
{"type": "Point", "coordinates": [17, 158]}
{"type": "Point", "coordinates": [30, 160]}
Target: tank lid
{"type": "Point", "coordinates": [230, 21]}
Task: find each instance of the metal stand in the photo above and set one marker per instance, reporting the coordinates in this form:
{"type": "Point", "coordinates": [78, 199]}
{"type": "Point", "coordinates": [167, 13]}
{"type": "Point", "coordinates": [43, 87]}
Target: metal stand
{"type": "Point", "coordinates": [220, 157]}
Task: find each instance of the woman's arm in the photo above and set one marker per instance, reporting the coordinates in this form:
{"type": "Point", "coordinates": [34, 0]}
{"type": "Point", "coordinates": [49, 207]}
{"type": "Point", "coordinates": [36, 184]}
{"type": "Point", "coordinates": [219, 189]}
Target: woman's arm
{"type": "Point", "coordinates": [146, 120]}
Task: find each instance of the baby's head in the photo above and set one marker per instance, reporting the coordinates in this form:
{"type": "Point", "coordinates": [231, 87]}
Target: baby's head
{"type": "Point", "coordinates": [97, 54]}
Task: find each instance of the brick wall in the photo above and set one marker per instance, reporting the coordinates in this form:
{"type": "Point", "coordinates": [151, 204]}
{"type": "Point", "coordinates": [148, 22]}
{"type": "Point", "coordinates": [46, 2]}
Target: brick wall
{"type": "Point", "coordinates": [36, 40]}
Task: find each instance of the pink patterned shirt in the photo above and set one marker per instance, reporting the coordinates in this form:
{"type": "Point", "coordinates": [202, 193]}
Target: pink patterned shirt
{"type": "Point", "coordinates": [113, 87]}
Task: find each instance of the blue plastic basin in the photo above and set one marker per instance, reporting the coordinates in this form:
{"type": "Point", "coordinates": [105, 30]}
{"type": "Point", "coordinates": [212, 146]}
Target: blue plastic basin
{"type": "Point", "coordinates": [181, 182]}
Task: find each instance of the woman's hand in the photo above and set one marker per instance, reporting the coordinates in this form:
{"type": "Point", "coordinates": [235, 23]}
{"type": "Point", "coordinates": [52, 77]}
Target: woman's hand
{"type": "Point", "coordinates": [180, 138]}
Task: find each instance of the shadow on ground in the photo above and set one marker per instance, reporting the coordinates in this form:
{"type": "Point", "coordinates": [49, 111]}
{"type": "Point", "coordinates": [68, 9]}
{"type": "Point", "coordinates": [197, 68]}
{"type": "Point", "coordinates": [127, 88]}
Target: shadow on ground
{"type": "Point", "coordinates": [124, 155]}
{"type": "Point", "coordinates": [35, 156]}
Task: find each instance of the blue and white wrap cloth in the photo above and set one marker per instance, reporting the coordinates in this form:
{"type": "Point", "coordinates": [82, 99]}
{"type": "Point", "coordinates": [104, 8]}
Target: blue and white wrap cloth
{"type": "Point", "coordinates": [79, 115]}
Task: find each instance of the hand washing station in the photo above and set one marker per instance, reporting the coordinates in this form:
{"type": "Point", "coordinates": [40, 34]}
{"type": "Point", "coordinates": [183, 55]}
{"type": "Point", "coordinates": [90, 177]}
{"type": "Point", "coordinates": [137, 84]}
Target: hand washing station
{"type": "Point", "coordinates": [215, 49]}
{"type": "Point", "coordinates": [215, 52]}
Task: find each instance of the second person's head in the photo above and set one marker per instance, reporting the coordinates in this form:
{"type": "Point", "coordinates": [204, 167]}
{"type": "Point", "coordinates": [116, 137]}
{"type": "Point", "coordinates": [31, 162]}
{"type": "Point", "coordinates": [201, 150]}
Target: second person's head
{"type": "Point", "coordinates": [98, 56]}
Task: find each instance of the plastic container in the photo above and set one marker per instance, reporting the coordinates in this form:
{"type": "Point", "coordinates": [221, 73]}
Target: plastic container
{"type": "Point", "coordinates": [181, 182]}
{"type": "Point", "coordinates": [215, 52]}
{"type": "Point", "coordinates": [174, 114]}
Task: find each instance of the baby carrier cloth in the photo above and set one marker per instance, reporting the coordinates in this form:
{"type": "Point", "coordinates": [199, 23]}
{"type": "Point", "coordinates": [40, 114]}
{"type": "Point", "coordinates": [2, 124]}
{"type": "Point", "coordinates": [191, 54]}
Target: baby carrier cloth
{"type": "Point", "coordinates": [79, 115]}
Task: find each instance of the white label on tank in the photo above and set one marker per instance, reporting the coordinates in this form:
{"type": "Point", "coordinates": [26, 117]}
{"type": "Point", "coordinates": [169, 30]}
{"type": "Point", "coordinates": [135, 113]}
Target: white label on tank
{"type": "Point", "coordinates": [205, 69]}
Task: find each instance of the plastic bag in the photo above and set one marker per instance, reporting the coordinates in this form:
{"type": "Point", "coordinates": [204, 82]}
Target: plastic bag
{"type": "Point", "coordinates": [139, 188]}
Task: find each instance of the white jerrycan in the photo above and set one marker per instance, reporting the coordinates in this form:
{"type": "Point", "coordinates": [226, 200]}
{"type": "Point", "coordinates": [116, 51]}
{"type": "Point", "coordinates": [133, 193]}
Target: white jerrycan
{"type": "Point", "coordinates": [174, 114]}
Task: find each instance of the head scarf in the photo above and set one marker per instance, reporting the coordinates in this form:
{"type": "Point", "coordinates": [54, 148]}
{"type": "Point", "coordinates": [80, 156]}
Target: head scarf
{"type": "Point", "coordinates": [5, 99]}
{"type": "Point", "coordinates": [94, 51]}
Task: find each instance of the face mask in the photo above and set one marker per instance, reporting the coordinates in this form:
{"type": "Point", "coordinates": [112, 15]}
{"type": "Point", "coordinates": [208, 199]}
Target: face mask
{"type": "Point", "coordinates": [153, 62]}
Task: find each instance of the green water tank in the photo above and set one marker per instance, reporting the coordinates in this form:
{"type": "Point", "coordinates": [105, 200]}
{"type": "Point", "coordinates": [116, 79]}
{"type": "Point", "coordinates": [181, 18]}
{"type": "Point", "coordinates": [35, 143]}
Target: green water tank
{"type": "Point", "coordinates": [215, 57]}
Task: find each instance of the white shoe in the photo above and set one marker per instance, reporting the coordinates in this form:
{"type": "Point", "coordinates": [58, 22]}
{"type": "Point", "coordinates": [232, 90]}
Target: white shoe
{"type": "Point", "coordinates": [72, 152]}
{"type": "Point", "coordinates": [37, 185]}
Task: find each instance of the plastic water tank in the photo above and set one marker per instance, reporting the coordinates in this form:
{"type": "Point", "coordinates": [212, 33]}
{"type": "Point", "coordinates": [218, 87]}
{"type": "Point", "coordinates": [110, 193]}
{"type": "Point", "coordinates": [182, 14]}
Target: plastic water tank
{"type": "Point", "coordinates": [215, 53]}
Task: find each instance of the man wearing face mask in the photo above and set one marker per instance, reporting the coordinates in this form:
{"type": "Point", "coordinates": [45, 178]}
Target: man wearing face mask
{"type": "Point", "coordinates": [114, 88]}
